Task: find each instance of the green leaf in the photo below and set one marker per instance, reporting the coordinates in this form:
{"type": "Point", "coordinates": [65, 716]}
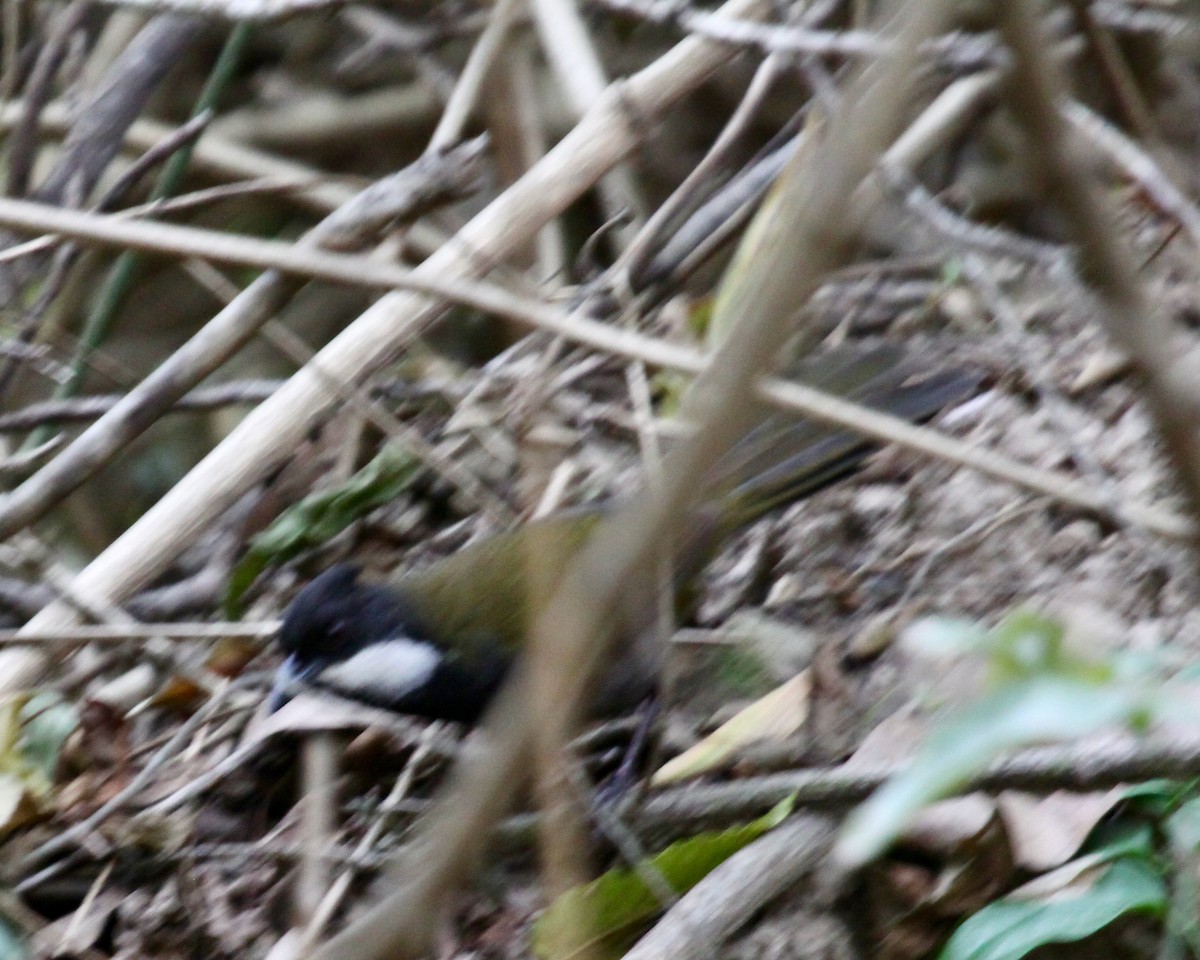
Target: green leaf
{"type": "Point", "coordinates": [1011, 928]}
{"type": "Point", "coordinates": [608, 914]}
{"type": "Point", "coordinates": [1039, 710]}
{"type": "Point", "coordinates": [1158, 798]}
{"type": "Point", "coordinates": [318, 518]}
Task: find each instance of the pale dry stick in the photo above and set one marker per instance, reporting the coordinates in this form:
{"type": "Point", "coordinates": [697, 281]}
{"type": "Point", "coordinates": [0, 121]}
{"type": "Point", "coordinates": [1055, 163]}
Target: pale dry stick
{"type": "Point", "coordinates": [1105, 264]}
{"type": "Point", "coordinates": [122, 633]}
{"type": "Point", "coordinates": [318, 820]}
{"type": "Point", "coordinates": [527, 119]}
{"type": "Point", "coordinates": [303, 260]}
{"type": "Point", "coordinates": [25, 549]}
{"type": "Point", "coordinates": [562, 832]}
{"type": "Point", "coordinates": [552, 497]}
{"type": "Point", "coordinates": [181, 202]}
{"type": "Point", "coordinates": [943, 121]}
{"type": "Point", "coordinates": [651, 447]}
{"type": "Point", "coordinates": [958, 51]}
{"type": "Point", "coordinates": [1136, 19]}
{"type": "Point", "coordinates": [311, 119]}
{"type": "Point", "coordinates": [797, 239]}
{"type": "Point", "coordinates": [770, 38]}
{"type": "Point", "coordinates": [725, 900]}
{"type": "Point", "coordinates": [971, 234]}
{"type": "Point", "coordinates": [466, 92]}
{"type": "Point", "coordinates": [578, 328]}
{"type": "Point", "coordinates": [251, 11]}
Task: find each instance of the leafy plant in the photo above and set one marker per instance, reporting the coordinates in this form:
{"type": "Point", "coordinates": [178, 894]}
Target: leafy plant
{"type": "Point", "coordinates": [318, 518]}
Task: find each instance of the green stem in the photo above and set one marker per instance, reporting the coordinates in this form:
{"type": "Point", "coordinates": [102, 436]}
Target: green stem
{"type": "Point", "coordinates": [120, 276]}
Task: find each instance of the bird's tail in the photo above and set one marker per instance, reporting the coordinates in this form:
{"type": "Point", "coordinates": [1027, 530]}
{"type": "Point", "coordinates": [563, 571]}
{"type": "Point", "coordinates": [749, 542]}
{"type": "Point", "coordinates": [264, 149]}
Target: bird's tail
{"type": "Point", "coordinates": [786, 458]}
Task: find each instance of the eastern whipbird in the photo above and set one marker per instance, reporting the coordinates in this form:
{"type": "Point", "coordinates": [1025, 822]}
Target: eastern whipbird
{"type": "Point", "coordinates": [437, 642]}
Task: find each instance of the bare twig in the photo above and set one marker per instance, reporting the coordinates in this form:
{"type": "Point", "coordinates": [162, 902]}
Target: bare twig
{"type": "Point", "coordinates": [572, 56]}
{"type": "Point", "coordinates": [102, 122]}
{"type": "Point", "coordinates": [122, 633]}
{"type": "Point", "coordinates": [23, 146]}
{"type": "Point", "coordinates": [466, 91]}
{"type": "Point", "coordinates": [962, 51]}
{"type": "Point", "coordinates": [1094, 764]}
{"type": "Point", "coordinates": [82, 409]}
{"type": "Point", "coordinates": [250, 11]}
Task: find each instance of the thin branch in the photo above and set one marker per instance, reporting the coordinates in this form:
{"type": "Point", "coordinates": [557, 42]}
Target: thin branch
{"type": "Point", "coordinates": [83, 409]}
{"type": "Point", "coordinates": [124, 632]}
{"type": "Point", "coordinates": [1094, 764]}
{"type": "Point", "coordinates": [239, 11]}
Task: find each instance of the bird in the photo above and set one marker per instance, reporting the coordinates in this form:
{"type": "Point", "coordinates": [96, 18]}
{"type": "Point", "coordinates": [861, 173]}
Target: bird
{"type": "Point", "coordinates": [437, 642]}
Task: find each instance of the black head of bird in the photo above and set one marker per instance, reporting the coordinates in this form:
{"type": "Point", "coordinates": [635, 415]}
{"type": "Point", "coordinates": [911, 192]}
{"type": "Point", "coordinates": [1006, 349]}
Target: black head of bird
{"type": "Point", "coordinates": [368, 642]}
{"type": "Point", "coordinates": [436, 642]}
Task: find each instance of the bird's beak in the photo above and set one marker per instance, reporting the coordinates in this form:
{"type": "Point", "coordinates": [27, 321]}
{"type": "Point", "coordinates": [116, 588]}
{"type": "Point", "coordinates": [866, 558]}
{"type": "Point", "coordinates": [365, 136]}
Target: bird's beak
{"type": "Point", "coordinates": [287, 678]}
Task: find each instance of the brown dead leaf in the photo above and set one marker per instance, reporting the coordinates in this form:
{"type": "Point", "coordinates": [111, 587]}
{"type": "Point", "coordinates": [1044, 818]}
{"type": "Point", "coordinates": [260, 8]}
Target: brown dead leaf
{"type": "Point", "coordinates": [179, 694]}
{"type": "Point", "coordinates": [19, 806]}
{"type": "Point", "coordinates": [229, 655]}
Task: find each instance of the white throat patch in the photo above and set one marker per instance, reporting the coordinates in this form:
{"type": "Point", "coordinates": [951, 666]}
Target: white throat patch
{"type": "Point", "coordinates": [387, 670]}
